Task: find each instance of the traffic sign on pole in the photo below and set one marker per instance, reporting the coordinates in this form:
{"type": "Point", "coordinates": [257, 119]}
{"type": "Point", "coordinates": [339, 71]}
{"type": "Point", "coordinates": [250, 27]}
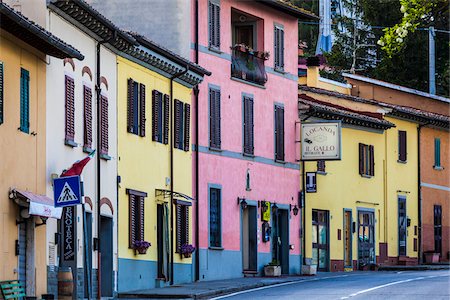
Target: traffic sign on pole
{"type": "Point", "coordinates": [67, 191]}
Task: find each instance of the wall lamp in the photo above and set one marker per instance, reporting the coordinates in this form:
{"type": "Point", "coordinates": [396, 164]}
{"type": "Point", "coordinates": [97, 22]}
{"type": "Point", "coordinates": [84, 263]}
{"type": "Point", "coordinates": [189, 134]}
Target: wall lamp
{"type": "Point", "coordinates": [295, 210]}
{"type": "Point", "coordinates": [274, 208]}
{"type": "Point", "coordinates": [242, 202]}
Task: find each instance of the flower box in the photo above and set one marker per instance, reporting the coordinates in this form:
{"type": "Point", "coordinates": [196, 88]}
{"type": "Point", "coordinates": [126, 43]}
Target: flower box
{"type": "Point", "coordinates": [186, 250]}
{"type": "Point", "coordinates": [309, 270]}
{"type": "Point", "coordinates": [141, 246]}
{"type": "Point", "coordinates": [272, 271]}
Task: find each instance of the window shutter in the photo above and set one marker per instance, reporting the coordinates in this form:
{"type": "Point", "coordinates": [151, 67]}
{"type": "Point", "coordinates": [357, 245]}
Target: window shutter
{"type": "Point", "coordinates": [361, 159]}
{"type": "Point", "coordinates": [248, 125]}
{"type": "Point", "coordinates": [166, 119]}
{"type": "Point", "coordinates": [281, 111]}
{"type": "Point", "coordinates": [372, 161]}
{"type": "Point", "coordinates": [187, 125]}
{"type": "Point", "coordinates": [279, 133]}
{"type": "Point", "coordinates": [155, 114]}
{"type": "Point", "coordinates": [185, 225]}
{"type": "Point", "coordinates": [211, 24]}
{"type": "Point", "coordinates": [215, 139]}
{"type": "Point", "coordinates": [275, 46]}
{"type": "Point", "coordinates": [130, 106]}
{"type": "Point", "coordinates": [87, 95]}
{"type": "Point", "coordinates": [104, 136]}
{"type": "Point", "coordinates": [142, 109]}
{"type": "Point", "coordinates": [211, 118]}
{"type": "Point", "coordinates": [437, 152]}
{"type": "Point", "coordinates": [1, 93]}
{"type": "Point", "coordinates": [179, 228]}
{"type": "Point", "coordinates": [70, 108]}
{"type": "Point", "coordinates": [217, 26]}
{"type": "Point", "coordinates": [140, 231]}
{"type": "Point", "coordinates": [177, 132]}
{"type": "Point", "coordinates": [217, 120]}
{"type": "Point", "coordinates": [402, 145]}
{"type": "Point", "coordinates": [281, 49]}
{"type": "Point", "coordinates": [132, 220]}
{"type": "Point", "coordinates": [25, 101]}
{"type": "Point", "coordinates": [246, 120]}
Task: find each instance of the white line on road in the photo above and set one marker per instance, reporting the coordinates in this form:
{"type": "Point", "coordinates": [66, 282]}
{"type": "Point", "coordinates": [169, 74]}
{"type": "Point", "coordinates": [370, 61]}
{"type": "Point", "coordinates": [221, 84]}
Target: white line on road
{"type": "Point", "coordinates": [389, 284]}
{"type": "Point", "coordinates": [276, 285]}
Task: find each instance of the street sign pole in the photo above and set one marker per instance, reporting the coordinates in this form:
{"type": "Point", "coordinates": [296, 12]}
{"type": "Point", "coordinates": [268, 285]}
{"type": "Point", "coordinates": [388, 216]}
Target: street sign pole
{"type": "Point", "coordinates": [87, 267]}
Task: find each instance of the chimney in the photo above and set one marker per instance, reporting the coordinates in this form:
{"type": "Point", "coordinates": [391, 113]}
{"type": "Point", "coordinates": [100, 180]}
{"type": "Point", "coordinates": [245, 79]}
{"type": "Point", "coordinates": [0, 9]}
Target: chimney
{"type": "Point", "coordinates": [312, 74]}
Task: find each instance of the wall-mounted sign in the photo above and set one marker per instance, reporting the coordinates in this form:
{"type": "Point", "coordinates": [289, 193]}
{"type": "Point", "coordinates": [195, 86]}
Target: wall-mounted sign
{"type": "Point", "coordinates": [69, 233]}
{"type": "Point", "coordinates": [321, 141]}
{"type": "Point", "coordinates": [311, 182]}
{"type": "Point", "coordinates": [266, 211]}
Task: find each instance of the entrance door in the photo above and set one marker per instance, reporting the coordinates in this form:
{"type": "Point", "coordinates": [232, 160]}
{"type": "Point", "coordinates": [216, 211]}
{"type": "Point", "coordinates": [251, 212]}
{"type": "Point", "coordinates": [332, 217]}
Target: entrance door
{"type": "Point", "coordinates": [280, 239]}
{"type": "Point", "coordinates": [438, 229]}
{"type": "Point", "coordinates": [162, 236]}
{"type": "Point", "coordinates": [249, 239]}
{"type": "Point", "coordinates": [22, 258]}
{"type": "Point", "coordinates": [320, 253]}
{"type": "Point", "coordinates": [106, 248]}
{"type": "Point", "coordinates": [88, 252]}
{"type": "Point", "coordinates": [347, 238]}
{"type": "Point", "coordinates": [401, 226]}
{"type": "Point", "coordinates": [366, 238]}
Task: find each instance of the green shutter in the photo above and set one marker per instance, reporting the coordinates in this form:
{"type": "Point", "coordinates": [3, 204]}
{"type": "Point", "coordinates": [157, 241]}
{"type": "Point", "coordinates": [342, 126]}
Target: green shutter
{"type": "Point", "coordinates": [1, 93]}
{"type": "Point", "coordinates": [24, 100]}
{"type": "Point", "coordinates": [437, 152]}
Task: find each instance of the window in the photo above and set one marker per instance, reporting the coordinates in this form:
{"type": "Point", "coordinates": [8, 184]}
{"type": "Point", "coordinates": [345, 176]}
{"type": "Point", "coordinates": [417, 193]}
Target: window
{"type": "Point", "coordinates": [1, 92]}
{"type": "Point", "coordinates": [182, 125]}
{"type": "Point", "coordinates": [279, 133]}
{"type": "Point", "coordinates": [438, 229]}
{"type": "Point", "coordinates": [70, 111]}
{"type": "Point", "coordinates": [214, 118]}
{"type": "Point", "coordinates": [279, 47]}
{"type": "Point", "coordinates": [248, 126]}
{"type": "Point", "coordinates": [402, 146]}
{"type": "Point", "coordinates": [24, 101]}
{"type": "Point", "coordinates": [136, 108]}
{"type": "Point", "coordinates": [104, 143]}
{"type": "Point", "coordinates": [214, 24]}
{"type": "Point", "coordinates": [437, 153]}
{"type": "Point", "coordinates": [321, 166]}
{"type": "Point", "coordinates": [215, 218]}
{"type": "Point", "coordinates": [182, 224]}
{"type": "Point", "coordinates": [160, 115]}
{"type": "Point", "coordinates": [136, 216]}
{"type": "Point", "coordinates": [366, 160]}
{"type": "Point", "coordinates": [87, 97]}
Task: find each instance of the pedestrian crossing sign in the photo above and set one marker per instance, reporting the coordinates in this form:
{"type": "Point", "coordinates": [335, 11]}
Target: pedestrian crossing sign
{"type": "Point", "coordinates": [67, 191]}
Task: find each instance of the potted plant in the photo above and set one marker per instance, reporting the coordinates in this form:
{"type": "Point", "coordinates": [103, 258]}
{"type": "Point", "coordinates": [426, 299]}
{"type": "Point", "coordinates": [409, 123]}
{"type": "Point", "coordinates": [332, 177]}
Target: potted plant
{"type": "Point", "coordinates": [141, 246]}
{"type": "Point", "coordinates": [187, 250]}
{"type": "Point", "coordinates": [272, 269]}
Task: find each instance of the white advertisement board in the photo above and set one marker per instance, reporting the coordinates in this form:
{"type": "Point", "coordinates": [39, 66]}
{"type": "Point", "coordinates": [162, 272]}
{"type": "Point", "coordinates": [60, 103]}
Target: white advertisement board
{"type": "Point", "coordinates": [321, 141]}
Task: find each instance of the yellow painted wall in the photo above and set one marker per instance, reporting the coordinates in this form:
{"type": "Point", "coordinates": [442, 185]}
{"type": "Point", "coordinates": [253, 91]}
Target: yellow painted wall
{"type": "Point", "coordinates": [401, 180]}
{"type": "Point", "coordinates": [23, 155]}
{"type": "Point", "coordinates": [313, 79]}
{"type": "Point", "coordinates": [342, 187]}
{"type": "Point", "coordinates": [145, 164]}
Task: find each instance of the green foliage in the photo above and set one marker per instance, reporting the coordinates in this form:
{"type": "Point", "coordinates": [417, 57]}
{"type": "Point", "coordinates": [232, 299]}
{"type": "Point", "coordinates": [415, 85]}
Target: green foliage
{"type": "Point", "coordinates": [414, 13]}
{"type": "Point", "coordinates": [308, 32]}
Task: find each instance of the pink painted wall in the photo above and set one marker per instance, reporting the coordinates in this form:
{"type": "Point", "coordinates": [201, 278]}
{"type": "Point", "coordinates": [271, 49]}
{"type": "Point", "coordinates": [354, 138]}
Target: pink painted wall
{"type": "Point", "coordinates": [268, 182]}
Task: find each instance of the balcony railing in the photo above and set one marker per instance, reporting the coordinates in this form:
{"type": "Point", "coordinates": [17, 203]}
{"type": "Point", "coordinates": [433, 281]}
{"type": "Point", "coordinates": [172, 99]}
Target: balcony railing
{"type": "Point", "coordinates": [248, 65]}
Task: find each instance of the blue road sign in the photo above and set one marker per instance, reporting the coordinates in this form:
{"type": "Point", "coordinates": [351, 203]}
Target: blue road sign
{"type": "Point", "coordinates": [67, 191]}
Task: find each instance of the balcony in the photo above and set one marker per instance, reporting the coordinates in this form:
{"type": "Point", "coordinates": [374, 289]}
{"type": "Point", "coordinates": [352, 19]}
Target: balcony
{"type": "Point", "coordinates": [248, 65]}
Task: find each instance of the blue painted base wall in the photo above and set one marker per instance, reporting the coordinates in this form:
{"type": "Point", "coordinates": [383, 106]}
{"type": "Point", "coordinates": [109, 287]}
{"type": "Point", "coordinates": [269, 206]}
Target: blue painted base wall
{"type": "Point", "coordinates": [141, 274]}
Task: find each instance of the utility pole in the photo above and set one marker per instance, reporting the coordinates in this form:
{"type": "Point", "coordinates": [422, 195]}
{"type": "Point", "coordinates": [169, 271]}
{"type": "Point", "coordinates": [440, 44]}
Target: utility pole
{"type": "Point", "coordinates": [431, 60]}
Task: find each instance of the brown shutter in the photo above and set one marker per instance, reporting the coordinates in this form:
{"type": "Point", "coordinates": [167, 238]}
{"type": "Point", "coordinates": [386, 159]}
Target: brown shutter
{"type": "Point", "coordinates": [177, 132]}
{"type": "Point", "coordinates": [187, 126]}
{"type": "Point", "coordinates": [246, 149]}
{"type": "Point", "coordinates": [155, 114]}
{"type": "Point", "coordinates": [142, 109]}
{"type": "Point", "coordinates": [402, 145]}
{"type": "Point", "coordinates": [104, 136]}
{"type": "Point", "coordinates": [130, 105]}
{"type": "Point", "coordinates": [217, 26]}
{"type": "Point", "coordinates": [279, 133]}
{"type": "Point", "coordinates": [70, 108]}
{"type": "Point", "coordinates": [361, 158]}
{"type": "Point", "coordinates": [214, 118]}
{"type": "Point", "coordinates": [211, 118]}
{"type": "Point", "coordinates": [185, 225]}
{"type": "Point", "coordinates": [1, 93]}
{"type": "Point", "coordinates": [248, 125]}
{"type": "Point", "coordinates": [211, 24]}
{"type": "Point", "coordinates": [281, 47]}
{"type": "Point", "coordinates": [179, 222]}
{"type": "Point", "coordinates": [217, 120]}
{"type": "Point", "coordinates": [132, 220]}
{"type": "Point", "coordinates": [251, 127]}
{"type": "Point", "coordinates": [372, 160]}
{"type": "Point", "coordinates": [166, 119]}
{"type": "Point", "coordinates": [87, 95]}
{"type": "Point", "coordinates": [140, 231]}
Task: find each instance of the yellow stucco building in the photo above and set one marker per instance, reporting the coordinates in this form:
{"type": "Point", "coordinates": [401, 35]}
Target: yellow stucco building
{"type": "Point", "coordinates": [23, 49]}
{"type": "Point", "coordinates": [155, 167]}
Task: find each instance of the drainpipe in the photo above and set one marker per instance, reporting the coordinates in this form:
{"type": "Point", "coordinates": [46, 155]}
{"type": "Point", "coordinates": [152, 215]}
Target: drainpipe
{"type": "Point", "coordinates": [197, 223]}
{"type": "Point", "coordinates": [419, 195]}
{"type": "Point", "coordinates": [172, 126]}
{"type": "Point", "coordinates": [304, 212]}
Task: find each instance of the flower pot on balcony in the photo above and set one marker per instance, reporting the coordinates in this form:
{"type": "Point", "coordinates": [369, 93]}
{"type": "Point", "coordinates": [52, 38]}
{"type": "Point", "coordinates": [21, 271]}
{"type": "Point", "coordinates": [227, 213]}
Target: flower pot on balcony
{"type": "Point", "coordinates": [272, 271]}
{"type": "Point", "coordinates": [187, 255]}
{"type": "Point", "coordinates": [141, 250]}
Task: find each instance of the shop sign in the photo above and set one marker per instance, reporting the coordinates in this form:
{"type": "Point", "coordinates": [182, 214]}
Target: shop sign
{"type": "Point", "coordinates": [321, 141]}
{"type": "Point", "coordinates": [69, 233]}
{"type": "Point", "coordinates": [311, 182]}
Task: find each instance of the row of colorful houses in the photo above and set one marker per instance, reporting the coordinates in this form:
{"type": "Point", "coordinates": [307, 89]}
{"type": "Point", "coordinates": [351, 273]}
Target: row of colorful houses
{"type": "Point", "coordinates": [202, 155]}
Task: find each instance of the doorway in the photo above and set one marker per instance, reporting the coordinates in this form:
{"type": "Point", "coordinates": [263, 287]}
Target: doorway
{"type": "Point", "coordinates": [320, 246]}
{"type": "Point", "coordinates": [106, 248]}
{"type": "Point", "coordinates": [249, 239]}
{"type": "Point", "coordinates": [438, 229]}
{"type": "Point", "coordinates": [88, 252]}
{"type": "Point", "coordinates": [402, 226]}
{"type": "Point", "coordinates": [162, 237]}
{"type": "Point", "coordinates": [366, 238]}
{"type": "Point", "coordinates": [348, 238]}
{"type": "Point", "coordinates": [280, 239]}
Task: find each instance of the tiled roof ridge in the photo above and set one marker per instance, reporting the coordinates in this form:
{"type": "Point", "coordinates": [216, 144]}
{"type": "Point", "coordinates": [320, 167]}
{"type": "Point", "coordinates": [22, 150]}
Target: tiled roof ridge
{"type": "Point", "coordinates": [50, 36]}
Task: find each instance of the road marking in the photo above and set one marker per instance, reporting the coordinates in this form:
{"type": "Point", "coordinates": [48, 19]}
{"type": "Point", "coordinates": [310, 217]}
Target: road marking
{"type": "Point", "coordinates": [276, 285]}
{"type": "Point", "coordinates": [389, 284]}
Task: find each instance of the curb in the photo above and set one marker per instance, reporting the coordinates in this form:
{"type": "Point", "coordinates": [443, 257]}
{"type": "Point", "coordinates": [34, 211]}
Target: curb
{"type": "Point", "coordinates": [413, 268]}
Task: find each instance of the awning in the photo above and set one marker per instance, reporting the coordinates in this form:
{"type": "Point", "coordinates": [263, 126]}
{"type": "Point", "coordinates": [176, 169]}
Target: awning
{"type": "Point", "coordinates": [166, 194]}
{"type": "Point", "coordinates": [39, 205]}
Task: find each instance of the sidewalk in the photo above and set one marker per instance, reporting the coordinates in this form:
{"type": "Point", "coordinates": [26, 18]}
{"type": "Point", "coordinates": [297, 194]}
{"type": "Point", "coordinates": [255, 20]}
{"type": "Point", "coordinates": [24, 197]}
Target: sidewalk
{"type": "Point", "coordinates": [207, 289]}
{"type": "Point", "coordinates": [430, 267]}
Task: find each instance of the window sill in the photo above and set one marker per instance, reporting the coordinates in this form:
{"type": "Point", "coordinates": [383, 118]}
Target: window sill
{"type": "Point", "coordinates": [215, 149]}
{"type": "Point", "coordinates": [248, 82]}
{"type": "Point", "coordinates": [440, 168]}
{"type": "Point", "coordinates": [321, 173]}
{"type": "Point", "coordinates": [87, 149]}
{"type": "Point", "coordinates": [248, 154]}
{"type": "Point", "coordinates": [70, 143]}
{"type": "Point", "coordinates": [280, 161]}
{"type": "Point", "coordinates": [279, 70]}
{"type": "Point", "coordinates": [215, 49]}
{"type": "Point", "coordinates": [105, 156]}
{"type": "Point", "coordinates": [366, 176]}
{"type": "Point", "coordinates": [215, 248]}
{"type": "Point", "coordinates": [402, 161]}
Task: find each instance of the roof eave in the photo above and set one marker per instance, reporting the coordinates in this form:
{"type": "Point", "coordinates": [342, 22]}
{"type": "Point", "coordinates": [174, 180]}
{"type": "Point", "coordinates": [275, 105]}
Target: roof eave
{"type": "Point", "coordinates": [289, 10]}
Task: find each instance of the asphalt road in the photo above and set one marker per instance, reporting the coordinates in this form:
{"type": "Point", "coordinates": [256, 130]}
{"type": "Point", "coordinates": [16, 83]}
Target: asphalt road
{"type": "Point", "coordinates": [371, 285]}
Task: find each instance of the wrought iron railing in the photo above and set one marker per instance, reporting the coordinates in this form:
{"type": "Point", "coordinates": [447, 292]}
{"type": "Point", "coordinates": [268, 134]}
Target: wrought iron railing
{"type": "Point", "coordinates": [246, 65]}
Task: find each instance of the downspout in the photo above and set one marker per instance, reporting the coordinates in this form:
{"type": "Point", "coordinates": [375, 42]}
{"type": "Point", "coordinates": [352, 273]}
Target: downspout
{"type": "Point", "coordinates": [197, 223]}
{"type": "Point", "coordinates": [172, 126]}
{"type": "Point", "coordinates": [419, 195]}
{"type": "Point", "coordinates": [303, 213]}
